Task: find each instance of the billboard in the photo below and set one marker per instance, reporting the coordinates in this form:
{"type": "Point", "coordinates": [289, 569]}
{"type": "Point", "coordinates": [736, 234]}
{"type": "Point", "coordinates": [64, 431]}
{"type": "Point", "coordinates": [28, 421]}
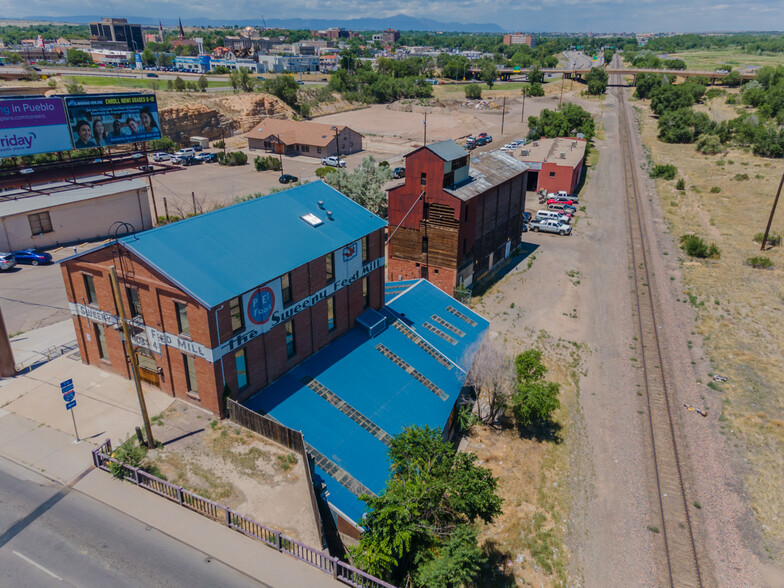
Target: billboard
{"type": "Point", "coordinates": [100, 120]}
{"type": "Point", "coordinates": [33, 125]}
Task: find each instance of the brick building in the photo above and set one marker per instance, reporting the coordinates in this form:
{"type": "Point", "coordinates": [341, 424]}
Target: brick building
{"type": "Point", "coordinates": [387, 37]}
{"type": "Point", "coordinates": [233, 298]}
{"type": "Point", "coordinates": [519, 39]}
{"type": "Point", "coordinates": [306, 138]}
{"type": "Point", "coordinates": [455, 217]}
{"type": "Point", "coordinates": [117, 30]}
{"type": "Point", "coordinates": [555, 164]}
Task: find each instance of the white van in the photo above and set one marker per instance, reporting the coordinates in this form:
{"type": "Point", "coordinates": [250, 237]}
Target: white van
{"type": "Point", "coordinates": [186, 152]}
{"type": "Point", "coordinates": [553, 215]}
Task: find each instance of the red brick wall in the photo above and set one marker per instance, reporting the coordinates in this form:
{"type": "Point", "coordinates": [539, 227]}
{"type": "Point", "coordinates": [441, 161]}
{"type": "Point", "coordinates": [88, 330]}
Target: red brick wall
{"type": "Point", "coordinates": [566, 177]}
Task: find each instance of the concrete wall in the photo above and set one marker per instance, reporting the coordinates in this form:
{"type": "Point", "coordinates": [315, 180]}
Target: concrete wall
{"type": "Point", "coordinates": [77, 221]}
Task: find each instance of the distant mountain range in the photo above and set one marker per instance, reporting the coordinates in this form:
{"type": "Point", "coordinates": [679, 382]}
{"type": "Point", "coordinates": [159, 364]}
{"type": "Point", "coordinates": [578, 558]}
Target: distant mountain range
{"type": "Point", "coordinates": [400, 22]}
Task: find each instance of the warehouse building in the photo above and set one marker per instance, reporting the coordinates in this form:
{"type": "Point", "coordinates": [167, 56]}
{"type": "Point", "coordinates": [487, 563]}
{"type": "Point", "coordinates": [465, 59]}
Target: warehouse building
{"type": "Point", "coordinates": [555, 164]}
{"type": "Point", "coordinates": [290, 137]}
{"type": "Point", "coordinates": [60, 213]}
{"type": "Point", "coordinates": [217, 304]}
{"type": "Point", "coordinates": [456, 217]}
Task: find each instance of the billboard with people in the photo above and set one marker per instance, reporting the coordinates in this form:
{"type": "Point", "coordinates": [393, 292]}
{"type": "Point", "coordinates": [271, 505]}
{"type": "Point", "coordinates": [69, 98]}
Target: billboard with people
{"type": "Point", "coordinates": [101, 120]}
{"type": "Point", "coordinates": [33, 125]}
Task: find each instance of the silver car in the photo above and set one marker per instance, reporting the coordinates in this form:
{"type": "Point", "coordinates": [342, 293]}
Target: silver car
{"type": "Point", "coordinates": [7, 261]}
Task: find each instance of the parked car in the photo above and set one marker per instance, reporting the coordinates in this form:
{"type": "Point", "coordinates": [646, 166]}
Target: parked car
{"type": "Point", "coordinates": [550, 226]}
{"type": "Point", "coordinates": [470, 146]}
{"type": "Point", "coordinates": [190, 160]}
{"type": "Point", "coordinates": [207, 157]}
{"type": "Point", "coordinates": [399, 172]}
{"type": "Point", "coordinates": [482, 135]}
{"type": "Point", "coordinates": [480, 141]}
{"type": "Point", "coordinates": [288, 179]}
{"type": "Point", "coordinates": [562, 207]}
{"type": "Point", "coordinates": [185, 151]}
{"type": "Point", "coordinates": [488, 139]}
{"type": "Point", "coordinates": [333, 161]}
{"type": "Point", "coordinates": [527, 217]}
{"type": "Point", "coordinates": [197, 147]}
{"type": "Point", "coordinates": [559, 201]}
{"type": "Point", "coordinates": [161, 156]}
{"type": "Point", "coordinates": [176, 159]}
{"type": "Point", "coordinates": [552, 215]}
{"type": "Point", "coordinates": [32, 257]}
{"type": "Point", "coordinates": [146, 168]}
{"type": "Point", "coordinates": [509, 147]}
{"type": "Point", "coordinates": [7, 261]}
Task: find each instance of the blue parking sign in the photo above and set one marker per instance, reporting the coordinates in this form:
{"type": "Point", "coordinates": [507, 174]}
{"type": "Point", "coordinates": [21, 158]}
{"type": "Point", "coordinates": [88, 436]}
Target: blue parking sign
{"type": "Point", "coordinates": [70, 405]}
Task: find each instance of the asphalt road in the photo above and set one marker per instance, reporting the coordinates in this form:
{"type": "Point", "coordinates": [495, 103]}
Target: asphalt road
{"type": "Point", "coordinates": [51, 536]}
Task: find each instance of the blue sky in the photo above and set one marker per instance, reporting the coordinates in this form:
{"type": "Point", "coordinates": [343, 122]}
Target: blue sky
{"type": "Point", "coordinates": [526, 15]}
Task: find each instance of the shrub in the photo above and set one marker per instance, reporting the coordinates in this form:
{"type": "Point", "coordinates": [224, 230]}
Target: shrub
{"type": "Point", "coordinates": [714, 92]}
{"type": "Point", "coordinates": [473, 92]}
{"type": "Point", "coordinates": [264, 163]}
{"type": "Point", "coordinates": [130, 454]}
{"type": "Point", "coordinates": [715, 190]}
{"type": "Point", "coordinates": [680, 184]}
{"type": "Point", "coordinates": [219, 144]}
{"type": "Point", "coordinates": [665, 172]}
{"type": "Point", "coordinates": [760, 262]}
{"type": "Point", "coordinates": [709, 145]}
{"type": "Point", "coordinates": [233, 158]}
{"type": "Point", "coordinates": [535, 89]}
{"type": "Point", "coordinates": [731, 99]}
{"type": "Point", "coordinates": [741, 177]}
{"type": "Point", "coordinates": [383, 163]}
{"type": "Point", "coordinates": [321, 172]}
{"type": "Point", "coordinates": [774, 239]}
{"type": "Point", "coordinates": [695, 246]}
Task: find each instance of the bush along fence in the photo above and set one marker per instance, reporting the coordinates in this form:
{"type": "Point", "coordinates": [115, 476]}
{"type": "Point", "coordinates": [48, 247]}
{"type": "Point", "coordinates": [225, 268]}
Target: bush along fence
{"type": "Point", "coordinates": [339, 570]}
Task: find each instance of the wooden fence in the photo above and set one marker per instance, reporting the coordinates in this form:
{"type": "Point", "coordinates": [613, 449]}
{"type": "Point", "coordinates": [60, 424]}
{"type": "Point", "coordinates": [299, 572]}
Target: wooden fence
{"type": "Point", "coordinates": [339, 570]}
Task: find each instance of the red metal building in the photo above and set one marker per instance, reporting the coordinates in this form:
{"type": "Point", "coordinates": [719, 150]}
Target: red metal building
{"type": "Point", "coordinates": [455, 217]}
{"type": "Point", "coordinates": [555, 164]}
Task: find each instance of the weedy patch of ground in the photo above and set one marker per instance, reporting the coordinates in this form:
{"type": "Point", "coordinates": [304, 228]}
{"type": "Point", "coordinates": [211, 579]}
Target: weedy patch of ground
{"type": "Point", "coordinates": [712, 60]}
{"type": "Point", "coordinates": [236, 467]}
{"type": "Point", "coordinates": [726, 200]}
{"type": "Point", "coordinates": [527, 540]}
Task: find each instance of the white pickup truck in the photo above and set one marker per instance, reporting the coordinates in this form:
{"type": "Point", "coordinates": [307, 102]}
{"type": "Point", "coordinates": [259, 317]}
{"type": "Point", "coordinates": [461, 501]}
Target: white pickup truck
{"type": "Point", "coordinates": [549, 226]}
{"type": "Point", "coordinates": [333, 161]}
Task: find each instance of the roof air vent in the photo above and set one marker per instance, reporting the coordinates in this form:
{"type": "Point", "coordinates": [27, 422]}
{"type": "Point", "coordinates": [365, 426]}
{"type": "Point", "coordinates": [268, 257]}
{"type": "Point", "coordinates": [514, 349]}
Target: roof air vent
{"type": "Point", "coordinates": [321, 204]}
{"type": "Point", "coordinates": [329, 215]}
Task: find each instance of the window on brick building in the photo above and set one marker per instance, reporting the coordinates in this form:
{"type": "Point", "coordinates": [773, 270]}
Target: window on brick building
{"type": "Point", "coordinates": [100, 338]}
{"type": "Point", "coordinates": [552, 174]}
{"type": "Point", "coordinates": [182, 318]}
{"type": "Point", "coordinates": [40, 223]}
{"type": "Point", "coordinates": [291, 343]}
{"type": "Point", "coordinates": [366, 291]}
{"type": "Point", "coordinates": [235, 310]}
{"type": "Point", "coordinates": [134, 304]}
{"type": "Point", "coordinates": [331, 313]}
{"type": "Point", "coordinates": [330, 267]}
{"type": "Point", "coordinates": [285, 288]}
{"type": "Point", "coordinates": [242, 369]}
{"type": "Point", "coordinates": [89, 288]}
{"type": "Point", "coordinates": [365, 250]}
{"type": "Point", "coordinates": [424, 244]}
{"type": "Point", "coordinates": [423, 179]}
{"type": "Point", "coordinates": [190, 374]}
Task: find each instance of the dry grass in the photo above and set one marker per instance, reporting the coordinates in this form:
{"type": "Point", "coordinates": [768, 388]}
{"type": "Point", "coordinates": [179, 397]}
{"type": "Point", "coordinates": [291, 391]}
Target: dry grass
{"type": "Point", "coordinates": [739, 309]}
{"type": "Point", "coordinates": [711, 60]}
{"type": "Point", "coordinates": [534, 482]}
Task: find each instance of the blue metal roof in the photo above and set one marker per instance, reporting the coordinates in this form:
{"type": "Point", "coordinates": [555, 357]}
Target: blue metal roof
{"type": "Point", "coordinates": [222, 254]}
{"type": "Point", "coordinates": [373, 386]}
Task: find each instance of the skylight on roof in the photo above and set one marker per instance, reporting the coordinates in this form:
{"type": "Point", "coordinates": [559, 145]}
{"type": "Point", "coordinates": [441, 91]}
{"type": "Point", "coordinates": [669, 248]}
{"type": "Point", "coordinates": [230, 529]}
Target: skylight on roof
{"type": "Point", "coordinates": [312, 219]}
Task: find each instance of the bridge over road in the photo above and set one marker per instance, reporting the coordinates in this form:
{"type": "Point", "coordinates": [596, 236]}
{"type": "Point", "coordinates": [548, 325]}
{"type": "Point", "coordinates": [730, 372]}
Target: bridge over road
{"type": "Point", "coordinates": [507, 73]}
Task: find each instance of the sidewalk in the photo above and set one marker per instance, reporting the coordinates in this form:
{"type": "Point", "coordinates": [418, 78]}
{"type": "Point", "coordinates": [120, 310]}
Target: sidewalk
{"type": "Point", "coordinates": [37, 431]}
{"type": "Point", "coordinates": [31, 347]}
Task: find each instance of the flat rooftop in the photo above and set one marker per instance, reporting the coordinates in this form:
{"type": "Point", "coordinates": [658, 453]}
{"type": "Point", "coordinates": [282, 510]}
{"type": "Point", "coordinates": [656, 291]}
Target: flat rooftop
{"type": "Point", "coordinates": [353, 396]}
{"type": "Point", "coordinates": [550, 150]}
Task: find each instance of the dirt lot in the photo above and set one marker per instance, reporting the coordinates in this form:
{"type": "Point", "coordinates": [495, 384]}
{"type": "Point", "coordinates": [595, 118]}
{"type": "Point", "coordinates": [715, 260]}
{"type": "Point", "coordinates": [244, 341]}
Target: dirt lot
{"type": "Point", "coordinates": [235, 467]}
{"type": "Point", "coordinates": [727, 200]}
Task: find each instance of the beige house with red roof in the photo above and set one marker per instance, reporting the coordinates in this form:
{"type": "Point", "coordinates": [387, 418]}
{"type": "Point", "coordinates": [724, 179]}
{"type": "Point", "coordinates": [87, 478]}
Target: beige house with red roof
{"type": "Point", "coordinates": [290, 137]}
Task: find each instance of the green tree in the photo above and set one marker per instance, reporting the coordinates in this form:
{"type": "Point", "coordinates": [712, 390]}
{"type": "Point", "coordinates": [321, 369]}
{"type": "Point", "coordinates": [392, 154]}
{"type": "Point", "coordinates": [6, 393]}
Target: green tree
{"type": "Point", "coordinates": [489, 74]}
{"type": "Point", "coordinates": [536, 76]}
{"type": "Point", "coordinates": [364, 185]}
{"type": "Point", "coordinates": [683, 125]}
{"type": "Point", "coordinates": [597, 81]}
{"type": "Point", "coordinates": [433, 494]}
{"type": "Point", "coordinates": [241, 79]}
{"type": "Point", "coordinates": [535, 89]}
{"type": "Point", "coordinates": [669, 97]}
{"type": "Point", "coordinates": [284, 87]}
{"type": "Point", "coordinates": [78, 57]}
{"type": "Point", "coordinates": [163, 59]}
{"type": "Point", "coordinates": [535, 399]}
{"type": "Point", "coordinates": [179, 84]}
{"type": "Point", "coordinates": [148, 57]}
{"type": "Point", "coordinates": [647, 83]}
{"type": "Point", "coordinates": [473, 92]}
{"type": "Point", "coordinates": [73, 87]}
{"type": "Point", "coordinates": [203, 83]}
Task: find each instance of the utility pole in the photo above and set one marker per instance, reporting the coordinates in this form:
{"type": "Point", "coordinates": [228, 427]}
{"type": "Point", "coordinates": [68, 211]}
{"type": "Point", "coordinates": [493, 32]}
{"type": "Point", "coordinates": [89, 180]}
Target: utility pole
{"type": "Point", "coordinates": [193, 197]}
{"type": "Point", "coordinates": [132, 355]}
{"type": "Point", "coordinates": [772, 212]}
{"type": "Point", "coordinates": [503, 114]}
{"type": "Point", "coordinates": [166, 209]}
{"type": "Point", "coordinates": [522, 114]}
{"type": "Point", "coordinates": [562, 85]}
{"type": "Point", "coordinates": [337, 143]}
{"type": "Point", "coordinates": [154, 205]}
{"type": "Point", "coordinates": [425, 124]}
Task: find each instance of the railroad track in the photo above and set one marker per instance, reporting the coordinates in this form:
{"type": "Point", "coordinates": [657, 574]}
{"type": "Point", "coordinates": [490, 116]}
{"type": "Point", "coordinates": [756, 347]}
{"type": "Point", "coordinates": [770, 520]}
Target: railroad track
{"type": "Point", "coordinates": [679, 549]}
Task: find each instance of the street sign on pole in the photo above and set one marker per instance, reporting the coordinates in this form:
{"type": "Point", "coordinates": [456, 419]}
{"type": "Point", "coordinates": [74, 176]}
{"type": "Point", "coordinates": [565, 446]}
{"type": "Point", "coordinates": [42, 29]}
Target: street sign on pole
{"type": "Point", "coordinates": [69, 396]}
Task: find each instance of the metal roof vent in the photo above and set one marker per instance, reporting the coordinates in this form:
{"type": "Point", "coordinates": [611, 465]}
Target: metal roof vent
{"type": "Point", "coordinates": [329, 215]}
{"type": "Point", "coordinates": [312, 219]}
{"type": "Point", "coordinates": [563, 154]}
{"type": "Point", "coordinates": [321, 204]}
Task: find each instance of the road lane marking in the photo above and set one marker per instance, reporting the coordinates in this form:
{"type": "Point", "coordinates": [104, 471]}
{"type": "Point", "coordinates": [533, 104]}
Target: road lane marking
{"type": "Point", "coordinates": [39, 566]}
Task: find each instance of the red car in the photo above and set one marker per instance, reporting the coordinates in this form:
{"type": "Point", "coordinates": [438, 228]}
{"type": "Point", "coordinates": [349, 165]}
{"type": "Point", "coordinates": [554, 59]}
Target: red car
{"type": "Point", "coordinates": [559, 201]}
{"type": "Point", "coordinates": [481, 135]}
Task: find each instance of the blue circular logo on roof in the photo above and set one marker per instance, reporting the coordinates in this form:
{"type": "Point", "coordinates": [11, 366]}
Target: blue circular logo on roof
{"type": "Point", "coordinates": [261, 305]}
